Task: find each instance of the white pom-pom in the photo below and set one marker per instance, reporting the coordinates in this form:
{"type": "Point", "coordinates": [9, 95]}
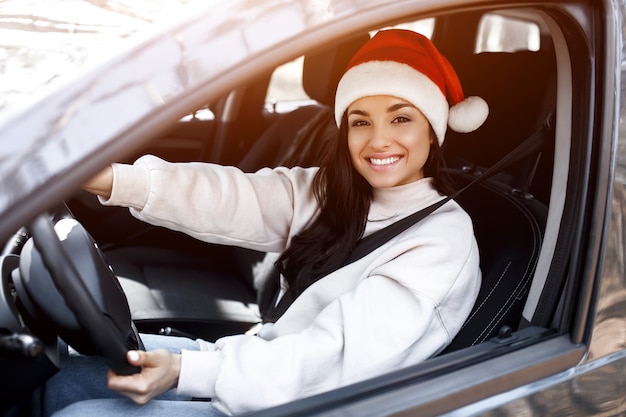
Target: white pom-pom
{"type": "Point", "coordinates": [468, 115]}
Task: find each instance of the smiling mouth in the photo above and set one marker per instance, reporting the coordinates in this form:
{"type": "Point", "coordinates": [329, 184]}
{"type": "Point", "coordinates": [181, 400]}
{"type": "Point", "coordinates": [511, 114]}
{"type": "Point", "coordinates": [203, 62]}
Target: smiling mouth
{"type": "Point", "coordinates": [384, 161]}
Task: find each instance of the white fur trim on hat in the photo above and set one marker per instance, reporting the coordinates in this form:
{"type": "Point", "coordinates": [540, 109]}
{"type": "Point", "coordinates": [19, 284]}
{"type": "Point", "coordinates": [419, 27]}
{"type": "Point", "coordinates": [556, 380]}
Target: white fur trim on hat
{"type": "Point", "coordinates": [468, 114]}
{"type": "Point", "coordinates": [391, 78]}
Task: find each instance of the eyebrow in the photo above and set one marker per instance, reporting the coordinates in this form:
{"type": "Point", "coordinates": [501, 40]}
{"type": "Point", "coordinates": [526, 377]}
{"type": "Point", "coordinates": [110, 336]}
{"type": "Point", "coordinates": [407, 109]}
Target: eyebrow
{"type": "Point", "coordinates": [398, 106]}
{"type": "Point", "coordinates": [390, 109]}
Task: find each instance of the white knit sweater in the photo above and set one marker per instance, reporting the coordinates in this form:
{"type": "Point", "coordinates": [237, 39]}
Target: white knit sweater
{"type": "Point", "coordinates": [397, 306]}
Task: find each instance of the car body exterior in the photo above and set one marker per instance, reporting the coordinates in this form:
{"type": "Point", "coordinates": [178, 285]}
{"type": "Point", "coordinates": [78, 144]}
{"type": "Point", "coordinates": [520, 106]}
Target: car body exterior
{"type": "Point", "coordinates": [572, 365]}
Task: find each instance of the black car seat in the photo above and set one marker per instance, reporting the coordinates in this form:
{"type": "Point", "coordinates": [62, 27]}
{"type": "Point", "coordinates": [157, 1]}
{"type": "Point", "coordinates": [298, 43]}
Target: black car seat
{"type": "Point", "coordinates": [209, 296]}
{"type": "Point", "coordinates": [508, 211]}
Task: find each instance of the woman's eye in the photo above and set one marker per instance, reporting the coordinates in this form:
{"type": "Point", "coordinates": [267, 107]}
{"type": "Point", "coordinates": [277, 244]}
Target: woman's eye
{"type": "Point", "coordinates": [401, 119]}
{"type": "Point", "coordinates": [358, 122]}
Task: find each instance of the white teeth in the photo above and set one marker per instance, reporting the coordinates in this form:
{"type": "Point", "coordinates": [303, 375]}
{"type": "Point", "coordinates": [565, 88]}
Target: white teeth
{"type": "Point", "coordinates": [386, 161]}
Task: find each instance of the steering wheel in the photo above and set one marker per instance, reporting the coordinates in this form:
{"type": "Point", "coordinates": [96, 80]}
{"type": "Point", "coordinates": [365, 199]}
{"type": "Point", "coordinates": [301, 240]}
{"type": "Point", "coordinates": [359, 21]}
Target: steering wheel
{"type": "Point", "coordinates": [78, 295]}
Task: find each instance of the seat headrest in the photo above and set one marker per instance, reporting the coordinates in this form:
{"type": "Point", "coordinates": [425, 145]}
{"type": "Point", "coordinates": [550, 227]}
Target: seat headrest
{"type": "Point", "coordinates": [520, 88]}
{"type": "Point", "coordinates": [323, 68]}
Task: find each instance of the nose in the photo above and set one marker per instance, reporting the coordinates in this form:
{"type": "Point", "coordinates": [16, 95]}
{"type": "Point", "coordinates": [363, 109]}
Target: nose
{"type": "Point", "coordinates": [380, 138]}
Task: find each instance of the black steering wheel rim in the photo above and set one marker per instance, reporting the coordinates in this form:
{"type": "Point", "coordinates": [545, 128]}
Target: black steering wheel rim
{"type": "Point", "coordinates": [100, 329]}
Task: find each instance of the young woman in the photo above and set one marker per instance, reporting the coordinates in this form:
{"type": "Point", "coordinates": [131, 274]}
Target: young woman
{"type": "Point", "coordinates": [397, 306]}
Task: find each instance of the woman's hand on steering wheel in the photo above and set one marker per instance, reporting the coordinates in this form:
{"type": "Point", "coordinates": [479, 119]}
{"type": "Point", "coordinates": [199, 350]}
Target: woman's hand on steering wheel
{"type": "Point", "coordinates": [159, 372]}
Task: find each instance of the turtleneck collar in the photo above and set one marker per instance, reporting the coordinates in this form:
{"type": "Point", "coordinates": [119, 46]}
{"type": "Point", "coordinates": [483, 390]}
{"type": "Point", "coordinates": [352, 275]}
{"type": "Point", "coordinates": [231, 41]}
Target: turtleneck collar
{"type": "Point", "coordinates": [402, 200]}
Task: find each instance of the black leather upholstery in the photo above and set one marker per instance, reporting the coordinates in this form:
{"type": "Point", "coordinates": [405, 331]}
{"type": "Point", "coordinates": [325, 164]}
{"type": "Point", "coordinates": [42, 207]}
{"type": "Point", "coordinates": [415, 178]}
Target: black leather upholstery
{"type": "Point", "coordinates": [509, 230]}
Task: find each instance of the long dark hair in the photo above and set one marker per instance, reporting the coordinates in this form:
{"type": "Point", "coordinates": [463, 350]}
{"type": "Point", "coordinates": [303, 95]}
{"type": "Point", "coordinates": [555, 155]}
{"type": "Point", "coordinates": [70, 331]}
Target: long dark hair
{"type": "Point", "coordinates": [344, 197]}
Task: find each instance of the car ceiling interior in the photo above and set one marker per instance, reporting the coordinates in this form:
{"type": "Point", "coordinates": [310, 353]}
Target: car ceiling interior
{"type": "Point", "coordinates": [193, 291]}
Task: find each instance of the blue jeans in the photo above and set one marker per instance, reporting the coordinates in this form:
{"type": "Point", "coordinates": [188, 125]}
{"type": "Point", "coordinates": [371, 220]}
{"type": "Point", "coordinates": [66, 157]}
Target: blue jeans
{"type": "Point", "coordinates": [79, 388]}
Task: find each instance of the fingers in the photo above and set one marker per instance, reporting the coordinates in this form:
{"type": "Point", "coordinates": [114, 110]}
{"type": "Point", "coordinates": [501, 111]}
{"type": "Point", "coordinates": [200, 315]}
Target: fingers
{"type": "Point", "coordinates": [137, 389]}
{"type": "Point", "coordinates": [101, 184]}
{"type": "Point", "coordinates": [134, 357]}
{"type": "Point", "coordinates": [159, 373]}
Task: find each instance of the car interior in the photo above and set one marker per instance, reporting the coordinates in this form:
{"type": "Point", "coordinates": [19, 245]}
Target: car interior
{"type": "Point", "coordinates": [178, 285]}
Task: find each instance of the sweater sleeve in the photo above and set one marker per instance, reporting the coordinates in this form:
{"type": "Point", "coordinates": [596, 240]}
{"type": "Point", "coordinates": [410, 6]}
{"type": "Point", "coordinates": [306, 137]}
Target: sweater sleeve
{"type": "Point", "coordinates": [414, 296]}
{"type": "Point", "coordinates": [215, 203]}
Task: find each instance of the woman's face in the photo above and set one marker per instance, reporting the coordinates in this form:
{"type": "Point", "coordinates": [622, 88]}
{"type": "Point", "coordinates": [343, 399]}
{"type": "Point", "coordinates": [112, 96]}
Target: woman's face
{"type": "Point", "coordinates": [389, 140]}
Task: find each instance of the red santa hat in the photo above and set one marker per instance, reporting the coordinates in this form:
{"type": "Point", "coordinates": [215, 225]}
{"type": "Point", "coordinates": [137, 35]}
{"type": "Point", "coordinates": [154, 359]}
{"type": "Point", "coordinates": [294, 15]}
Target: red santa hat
{"type": "Point", "coordinates": [405, 64]}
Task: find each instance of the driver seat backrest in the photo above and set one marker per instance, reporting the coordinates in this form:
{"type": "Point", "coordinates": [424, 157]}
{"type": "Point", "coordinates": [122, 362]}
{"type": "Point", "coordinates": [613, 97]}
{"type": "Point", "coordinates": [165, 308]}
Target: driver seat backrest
{"type": "Point", "coordinates": [509, 222]}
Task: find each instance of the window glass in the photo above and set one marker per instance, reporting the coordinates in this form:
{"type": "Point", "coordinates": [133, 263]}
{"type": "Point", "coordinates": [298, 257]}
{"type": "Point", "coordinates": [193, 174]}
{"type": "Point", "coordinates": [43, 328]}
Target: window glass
{"type": "Point", "coordinates": [204, 113]}
{"type": "Point", "coordinates": [285, 91]}
{"type": "Point", "coordinates": [498, 33]}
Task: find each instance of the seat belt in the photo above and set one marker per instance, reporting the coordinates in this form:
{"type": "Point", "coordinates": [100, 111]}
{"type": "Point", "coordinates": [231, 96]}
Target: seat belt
{"type": "Point", "coordinates": [272, 311]}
